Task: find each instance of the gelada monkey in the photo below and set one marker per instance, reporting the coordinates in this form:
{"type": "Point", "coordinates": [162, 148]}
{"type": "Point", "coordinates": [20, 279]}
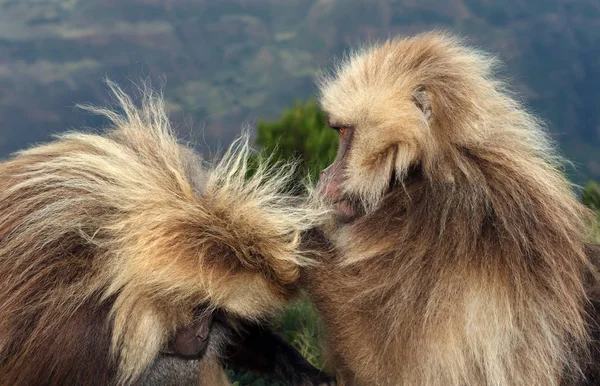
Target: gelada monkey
{"type": "Point", "coordinates": [128, 260]}
{"type": "Point", "coordinates": [461, 255]}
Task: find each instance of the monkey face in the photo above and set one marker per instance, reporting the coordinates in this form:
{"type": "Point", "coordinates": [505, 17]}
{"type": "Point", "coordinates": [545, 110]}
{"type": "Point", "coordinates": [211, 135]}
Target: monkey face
{"type": "Point", "coordinates": [383, 128]}
{"type": "Point", "coordinates": [192, 340]}
{"type": "Point", "coordinates": [333, 179]}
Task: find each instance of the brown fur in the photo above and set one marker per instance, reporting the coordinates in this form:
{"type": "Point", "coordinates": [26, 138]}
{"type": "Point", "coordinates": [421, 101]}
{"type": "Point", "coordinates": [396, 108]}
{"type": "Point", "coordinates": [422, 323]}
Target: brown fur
{"type": "Point", "coordinates": [467, 264]}
{"type": "Point", "coordinates": [109, 242]}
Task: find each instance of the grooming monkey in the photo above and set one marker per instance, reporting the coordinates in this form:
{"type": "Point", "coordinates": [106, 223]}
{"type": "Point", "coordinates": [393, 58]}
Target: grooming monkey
{"type": "Point", "coordinates": [125, 259]}
{"type": "Point", "coordinates": [461, 255]}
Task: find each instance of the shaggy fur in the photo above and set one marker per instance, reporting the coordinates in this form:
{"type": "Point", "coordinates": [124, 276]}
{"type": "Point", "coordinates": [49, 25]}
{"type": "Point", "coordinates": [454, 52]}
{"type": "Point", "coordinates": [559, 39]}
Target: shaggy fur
{"type": "Point", "coordinates": [466, 264]}
{"type": "Point", "coordinates": [109, 242]}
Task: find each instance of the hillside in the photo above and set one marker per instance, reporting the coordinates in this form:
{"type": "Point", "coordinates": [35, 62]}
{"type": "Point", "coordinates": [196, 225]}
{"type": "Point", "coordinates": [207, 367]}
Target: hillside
{"type": "Point", "coordinates": [232, 61]}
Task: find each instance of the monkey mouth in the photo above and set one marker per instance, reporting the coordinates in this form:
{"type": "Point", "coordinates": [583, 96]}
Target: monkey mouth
{"type": "Point", "coordinates": [345, 207]}
{"type": "Point", "coordinates": [346, 210]}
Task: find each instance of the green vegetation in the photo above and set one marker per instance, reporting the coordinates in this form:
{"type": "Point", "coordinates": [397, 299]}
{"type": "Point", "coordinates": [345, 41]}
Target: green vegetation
{"type": "Point", "coordinates": [300, 133]}
{"type": "Point", "coordinates": [299, 325]}
{"type": "Point", "coordinates": [591, 197]}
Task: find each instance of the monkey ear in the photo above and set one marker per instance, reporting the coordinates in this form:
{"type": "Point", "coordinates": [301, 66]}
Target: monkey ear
{"type": "Point", "coordinates": [422, 99]}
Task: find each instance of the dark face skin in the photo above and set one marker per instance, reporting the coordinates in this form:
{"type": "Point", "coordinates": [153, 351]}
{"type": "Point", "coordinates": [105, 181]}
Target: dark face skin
{"type": "Point", "coordinates": [332, 178]}
{"type": "Point", "coordinates": [192, 340]}
{"type": "Point", "coordinates": [179, 363]}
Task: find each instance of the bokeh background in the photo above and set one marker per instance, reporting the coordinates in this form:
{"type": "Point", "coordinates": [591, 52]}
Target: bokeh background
{"type": "Point", "coordinates": [224, 63]}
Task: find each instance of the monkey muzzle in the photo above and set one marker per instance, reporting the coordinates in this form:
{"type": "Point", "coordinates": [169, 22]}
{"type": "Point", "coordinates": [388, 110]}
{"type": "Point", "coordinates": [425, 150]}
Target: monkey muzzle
{"type": "Point", "coordinates": [191, 340]}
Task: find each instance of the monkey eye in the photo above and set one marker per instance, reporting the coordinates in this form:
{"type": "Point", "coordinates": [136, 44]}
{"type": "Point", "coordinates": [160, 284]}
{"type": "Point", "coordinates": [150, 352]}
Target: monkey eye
{"type": "Point", "coordinates": [343, 130]}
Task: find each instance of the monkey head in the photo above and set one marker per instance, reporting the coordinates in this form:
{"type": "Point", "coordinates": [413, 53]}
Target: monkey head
{"type": "Point", "coordinates": [405, 106]}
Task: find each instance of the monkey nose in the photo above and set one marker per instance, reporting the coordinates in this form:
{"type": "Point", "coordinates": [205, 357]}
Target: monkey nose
{"type": "Point", "coordinates": [203, 333]}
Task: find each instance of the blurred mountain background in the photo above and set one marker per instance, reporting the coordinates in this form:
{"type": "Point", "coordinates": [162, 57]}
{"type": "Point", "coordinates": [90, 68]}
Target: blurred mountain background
{"type": "Point", "coordinates": [227, 62]}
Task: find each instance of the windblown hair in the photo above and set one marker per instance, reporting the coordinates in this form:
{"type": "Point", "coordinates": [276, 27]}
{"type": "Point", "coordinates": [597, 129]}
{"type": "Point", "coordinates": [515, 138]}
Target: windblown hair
{"type": "Point", "coordinates": [109, 242]}
{"type": "Point", "coordinates": [467, 264]}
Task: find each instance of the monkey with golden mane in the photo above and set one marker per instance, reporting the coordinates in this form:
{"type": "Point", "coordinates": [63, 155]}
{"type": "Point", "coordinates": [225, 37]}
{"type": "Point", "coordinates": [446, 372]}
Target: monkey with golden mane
{"type": "Point", "coordinates": [460, 247]}
{"type": "Point", "coordinates": [126, 259]}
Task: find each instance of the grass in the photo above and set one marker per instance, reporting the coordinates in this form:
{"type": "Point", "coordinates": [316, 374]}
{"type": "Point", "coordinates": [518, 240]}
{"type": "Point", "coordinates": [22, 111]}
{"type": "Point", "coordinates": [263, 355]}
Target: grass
{"type": "Point", "coordinates": [301, 327]}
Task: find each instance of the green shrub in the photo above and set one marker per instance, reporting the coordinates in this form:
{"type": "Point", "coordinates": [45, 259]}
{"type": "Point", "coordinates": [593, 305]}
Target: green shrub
{"type": "Point", "coordinates": [591, 198]}
{"type": "Point", "coordinates": [591, 195]}
{"type": "Point", "coordinates": [300, 133]}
